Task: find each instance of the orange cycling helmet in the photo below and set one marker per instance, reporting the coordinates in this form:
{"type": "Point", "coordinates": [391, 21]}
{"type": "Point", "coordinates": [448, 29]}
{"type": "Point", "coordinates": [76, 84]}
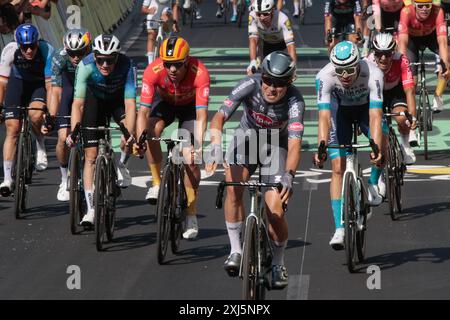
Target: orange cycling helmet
{"type": "Point", "coordinates": [174, 49]}
{"type": "Point", "coordinates": [423, 1]}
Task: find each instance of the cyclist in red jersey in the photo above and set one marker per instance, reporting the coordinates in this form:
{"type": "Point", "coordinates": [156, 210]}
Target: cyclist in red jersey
{"type": "Point", "coordinates": [422, 24]}
{"type": "Point", "coordinates": [175, 86]}
{"type": "Point", "coordinates": [399, 93]}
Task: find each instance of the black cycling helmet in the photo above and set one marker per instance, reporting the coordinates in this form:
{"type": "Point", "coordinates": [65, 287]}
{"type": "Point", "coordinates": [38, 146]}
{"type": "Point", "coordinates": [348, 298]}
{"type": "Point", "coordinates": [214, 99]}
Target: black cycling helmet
{"type": "Point", "coordinates": [278, 65]}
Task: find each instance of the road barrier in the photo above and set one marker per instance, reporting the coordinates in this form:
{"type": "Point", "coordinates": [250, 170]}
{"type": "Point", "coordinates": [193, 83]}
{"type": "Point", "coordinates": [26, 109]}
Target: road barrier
{"type": "Point", "coordinates": [95, 15]}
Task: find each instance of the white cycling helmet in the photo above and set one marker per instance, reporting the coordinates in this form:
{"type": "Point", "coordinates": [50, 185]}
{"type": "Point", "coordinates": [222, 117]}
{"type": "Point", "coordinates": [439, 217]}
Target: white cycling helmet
{"type": "Point", "coordinates": [106, 44]}
{"type": "Point", "coordinates": [77, 39]}
{"type": "Point", "coordinates": [384, 42]}
{"type": "Point", "coordinates": [263, 5]}
{"type": "Point", "coordinates": [163, 1]}
{"type": "Point", "coordinates": [344, 54]}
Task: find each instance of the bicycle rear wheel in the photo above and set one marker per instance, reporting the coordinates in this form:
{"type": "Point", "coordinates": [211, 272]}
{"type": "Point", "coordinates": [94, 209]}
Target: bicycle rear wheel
{"type": "Point", "coordinates": [361, 231]}
{"type": "Point", "coordinates": [349, 212]}
{"type": "Point", "coordinates": [164, 209]}
{"type": "Point", "coordinates": [19, 184]}
{"type": "Point", "coordinates": [100, 202]}
{"type": "Point", "coordinates": [250, 268]}
{"type": "Point", "coordinates": [302, 9]}
{"type": "Point", "coordinates": [75, 189]}
{"type": "Point", "coordinates": [193, 13]}
{"type": "Point", "coordinates": [425, 119]}
{"type": "Point", "coordinates": [177, 221]}
{"type": "Point", "coordinates": [241, 12]}
{"type": "Point", "coordinates": [110, 202]}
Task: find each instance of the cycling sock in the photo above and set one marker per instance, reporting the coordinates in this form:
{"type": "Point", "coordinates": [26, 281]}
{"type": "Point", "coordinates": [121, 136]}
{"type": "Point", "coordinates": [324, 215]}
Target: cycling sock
{"type": "Point", "coordinates": [155, 169]}
{"type": "Point", "coordinates": [441, 85]}
{"type": "Point", "coordinates": [89, 199]}
{"type": "Point", "coordinates": [366, 42]}
{"type": "Point", "coordinates": [7, 167]}
{"type": "Point", "coordinates": [278, 252]}
{"type": "Point", "coordinates": [234, 9]}
{"type": "Point", "coordinates": [40, 143]}
{"type": "Point", "coordinates": [150, 57]}
{"type": "Point", "coordinates": [234, 233]}
{"type": "Point", "coordinates": [124, 157]}
{"type": "Point", "coordinates": [296, 7]}
{"type": "Point", "coordinates": [191, 201]}
{"type": "Point", "coordinates": [374, 175]}
{"type": "Point", "coordinates": [64, 171]}
{"type": "Point", "coordinates": [336, 205]}
{"type": "Point", "coordinates": [405, 139]}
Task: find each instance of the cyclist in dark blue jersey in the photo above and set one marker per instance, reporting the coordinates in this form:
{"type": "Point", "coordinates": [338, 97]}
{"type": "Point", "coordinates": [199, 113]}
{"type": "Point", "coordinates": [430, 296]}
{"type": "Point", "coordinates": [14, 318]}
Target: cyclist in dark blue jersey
{"type": "Point", "coordinates": [25, 72]}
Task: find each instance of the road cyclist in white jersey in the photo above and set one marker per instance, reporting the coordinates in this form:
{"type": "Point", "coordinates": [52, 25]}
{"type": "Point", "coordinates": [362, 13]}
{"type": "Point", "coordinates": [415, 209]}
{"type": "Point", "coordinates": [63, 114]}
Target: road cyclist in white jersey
{"type": "Point", "coordinates": [348, 90]}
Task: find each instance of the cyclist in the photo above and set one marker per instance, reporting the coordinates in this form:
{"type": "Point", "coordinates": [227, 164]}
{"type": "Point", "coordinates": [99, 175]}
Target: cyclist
{"type": "Point", "coordinates": [25, 74]}
{"type": "Point", "coordinates": [349, 89]}
{"type": "Point", "coordinates": [422, 24]}
{"type": "Point", "coordinates": [273, 27]}
{"type": "Point", "coordinates": [342, 17]}
{"type": "Point", "coordinates": [187, 6]}
{"type": "Point", "coordinates": [175, 85]}
{"type": "Point", "coordinates": [399, 92]}
{"type": "Point", "coordinates": [105, 86]}
{"type": "Point", "coordinates": [273, 119]}
{"type": "Point", "coordinates": [386, 13]}
{"type": "Point", "coordinates": [166, 10]}
{"type": "Point", "coordinates": [77, 45]}
{"type": "Point", "coordinates": [308, 3]}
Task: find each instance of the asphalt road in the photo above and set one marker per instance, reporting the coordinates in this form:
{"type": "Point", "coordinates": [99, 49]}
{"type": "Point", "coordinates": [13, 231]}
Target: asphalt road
{"type": "Point", "coordinates": [412, 254]}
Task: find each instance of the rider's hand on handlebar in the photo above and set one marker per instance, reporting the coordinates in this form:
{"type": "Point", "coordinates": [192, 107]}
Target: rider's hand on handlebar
{"type": "Point", "coordinates": [376, 161]}
{"type": "Point", "coordinates": [252, 67]}
{"type": "Point", "coordinates": [215, 157]}
{"type": "Point", "coordinates": [287, 181]}
{"type": "Point", "coordinates": [69, 142]}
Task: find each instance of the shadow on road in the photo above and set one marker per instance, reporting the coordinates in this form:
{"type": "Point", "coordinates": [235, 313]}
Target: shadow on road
{"type": "Point", "coordinates": [391, 260]}
{"type": "Point", "coordinates": [423, 210]}
{"type": "Point", "coordinates": [133, 241]}
{"type": "Point", "coordinates": [198, 254]}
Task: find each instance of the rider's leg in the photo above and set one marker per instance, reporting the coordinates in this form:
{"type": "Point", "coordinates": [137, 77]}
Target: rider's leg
{"type": "Point", "coordinates": [154, 153]}
{"type": "Point", "coordinates": [404, 131]}
{"type": "Point", "coordinates": [36, 119]}
{"type": "Point", "coordinates": [151, 37]}
{"type": "Point", "coordinates": [296, 7]}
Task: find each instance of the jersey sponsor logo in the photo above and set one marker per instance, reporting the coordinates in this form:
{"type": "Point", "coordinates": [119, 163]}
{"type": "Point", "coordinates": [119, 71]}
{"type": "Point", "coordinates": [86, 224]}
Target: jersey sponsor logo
{"type": "Point", "coordinates": [296, 126]}
{"type": "Point", "coordinates": [158, 68]}
{"type": "Point", "coordinates": [145, 89]}
{"type": "Point", "coordinates": [377, 83]}
{"type": "Point", "coordinates": [263, 120]}
{"type": "Point", "coordinates": [205, 92]}
{"type": "Point", "coordinates": [442, 30]}
{"type": "Point", "coordinates": [288, 25]}
{"type": "Point", "coordinates": [228, 103]}
{"type": "Point", "coordinates": [242, 86]}
{"type": "Point", "coordinates": [250, 19]}
{"type": "Point", "coordinates": [294, 110]}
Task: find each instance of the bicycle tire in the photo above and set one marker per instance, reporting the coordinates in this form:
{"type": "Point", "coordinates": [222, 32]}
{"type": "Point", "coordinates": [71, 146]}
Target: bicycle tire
{"type": "Point", "coordinates": [193, 13]}
{"type": "Point", "coordinates": [349, 222]}
{"type": "Point", "coordinates": [425, 115]}
{"type": "Point", "coordinates": [19, 184]}
{"type": "Point", "coordinates": [250, 268]}
{"type": "Point", "coordinates": [241, 11]}
{"type": "Point", "coordinates": [225, 11]}
{"type": "Point", "coordinates": [183, 14]}
{"type": "Point", "coordinates": [390, 180]}
{"type": "Point", "coordinates": [164, 209]}
{"type": "Point", "coordinates": [110, 216]}
{"type": "Point", "coordinates": [100, 202]}
{"type": "Point", "coordinates": [301, 16]}
{"type": "Point", "coordinates": [177, 221]}
{"type": "Point", "coordinates": [361, 234]}
{"type": "Point", "coordinates": [75, 204]}
{"type": "Point", "coordinates": [156, 49]}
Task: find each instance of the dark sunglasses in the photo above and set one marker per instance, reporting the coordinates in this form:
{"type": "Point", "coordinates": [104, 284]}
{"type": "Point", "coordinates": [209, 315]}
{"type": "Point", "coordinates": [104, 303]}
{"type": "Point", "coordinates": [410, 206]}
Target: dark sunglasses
{"type": "Point", "coordinates": [25, 47]}
{"type": "Point", "coordinates": [424, 5]}
{"type": "Point", "coordinates": [263, 14]}
{"type": "Point", "coordinates": [177, 65]}
{"type": "Point", "coordinates": [348, 70]}
{"type": "Point", "coordinates": [108, 60]}
{"type": "Point", "coordinates": [76, 53]}
{"type": "Point", "coordinates": [276, 83]}
{"type": "Point", "coordinates": [388, 54]}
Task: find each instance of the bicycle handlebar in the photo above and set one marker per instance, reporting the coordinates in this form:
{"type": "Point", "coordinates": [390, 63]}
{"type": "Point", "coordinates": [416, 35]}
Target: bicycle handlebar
{"type": "Point", "coordinates": [223, 184]}
{"type": "Point", "coordinates": [167, 140]}
{"type": "Point", "coordinates": [322, 148]}
{"type": "Point", "coordinates": [406, 114]}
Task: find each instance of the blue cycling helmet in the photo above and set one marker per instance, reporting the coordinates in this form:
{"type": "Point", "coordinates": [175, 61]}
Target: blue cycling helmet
{"type": "Point", "coordinates": [26, 34]}
{"type": "Point", "coordinates": [344, 54]}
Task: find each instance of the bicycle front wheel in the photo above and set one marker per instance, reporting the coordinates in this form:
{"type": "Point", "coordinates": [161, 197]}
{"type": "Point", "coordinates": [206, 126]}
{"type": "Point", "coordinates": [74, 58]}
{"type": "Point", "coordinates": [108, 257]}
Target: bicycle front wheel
{"type": "Point", "coordinates": [241, 12]}
{"type": "Point", "coordinates": [251, 289]}
{"type": "Point", "coordinates": [349, 212]}
{"type": "Point", "coordinates": [100, 205]}
{"type": "Point", "coordinates": [424, 106]}
{"type": "Point", "coordinates": [112, 192]}
{"type": "Point", "coordinates": [19, 184]}
{"type": "Point", "coordinates": [164, 209]}
{"type": "Point", "coordinates": [75, 189]}
{"type": "Point", "coordinates": [390, 182]}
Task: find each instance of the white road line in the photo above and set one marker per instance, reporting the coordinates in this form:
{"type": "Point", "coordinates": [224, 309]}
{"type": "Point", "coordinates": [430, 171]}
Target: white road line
{"type": "Point", "coordinates": [298, 287]}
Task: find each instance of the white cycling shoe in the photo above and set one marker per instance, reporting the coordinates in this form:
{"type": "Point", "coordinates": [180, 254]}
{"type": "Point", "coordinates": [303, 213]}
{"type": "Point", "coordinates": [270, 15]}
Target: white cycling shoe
{"type": "Point", "coordinates": [41, 160]}
{"type": "Point", "coordinates": [438, 104]}
{"type": "Point", "coordinates": [88, 219]}
{"type": "Point", "coordinates": [408, 155]}
{"type": "Point", "coordinates": [6, 188]}
{"type": "Point", "coordinates": [187, 4]}
{"type": "Point", "coordinates": [374, 197]}
{"type": "Point", "coordinates": [337, 242]}
{"type": "Point", "coordinates": [152, 195]}
{"type": "Point", "coordinates": [63, 195]}
{"type": "Point", "coordinates": [123, 176]}
{"type": "Point", "coordinates": [382, 185]}
{"type": "Point", "coordinates": [191, 231]}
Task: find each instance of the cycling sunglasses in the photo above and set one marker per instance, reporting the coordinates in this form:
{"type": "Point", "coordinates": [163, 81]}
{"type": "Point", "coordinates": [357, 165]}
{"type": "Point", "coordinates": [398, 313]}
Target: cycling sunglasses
{"type": "Point", "coordinates": [177, 65]}
{"type": "Point", "coordinates": [424, 5]}
{"type": "Point", "coordinates": [388, 54]}
{"type": "Point", "coordinates": [25, 47]}
{"type": "Point", "coordinates": [109, 60]}
{"type": "Point", "coordinates": [76, 53]}
{"type": "Point", "coordinates": [276, 83]}
{"type": "Point", "coordinates": [348, 70]}
{"type": "Point", "coordinates": [263, 14]}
